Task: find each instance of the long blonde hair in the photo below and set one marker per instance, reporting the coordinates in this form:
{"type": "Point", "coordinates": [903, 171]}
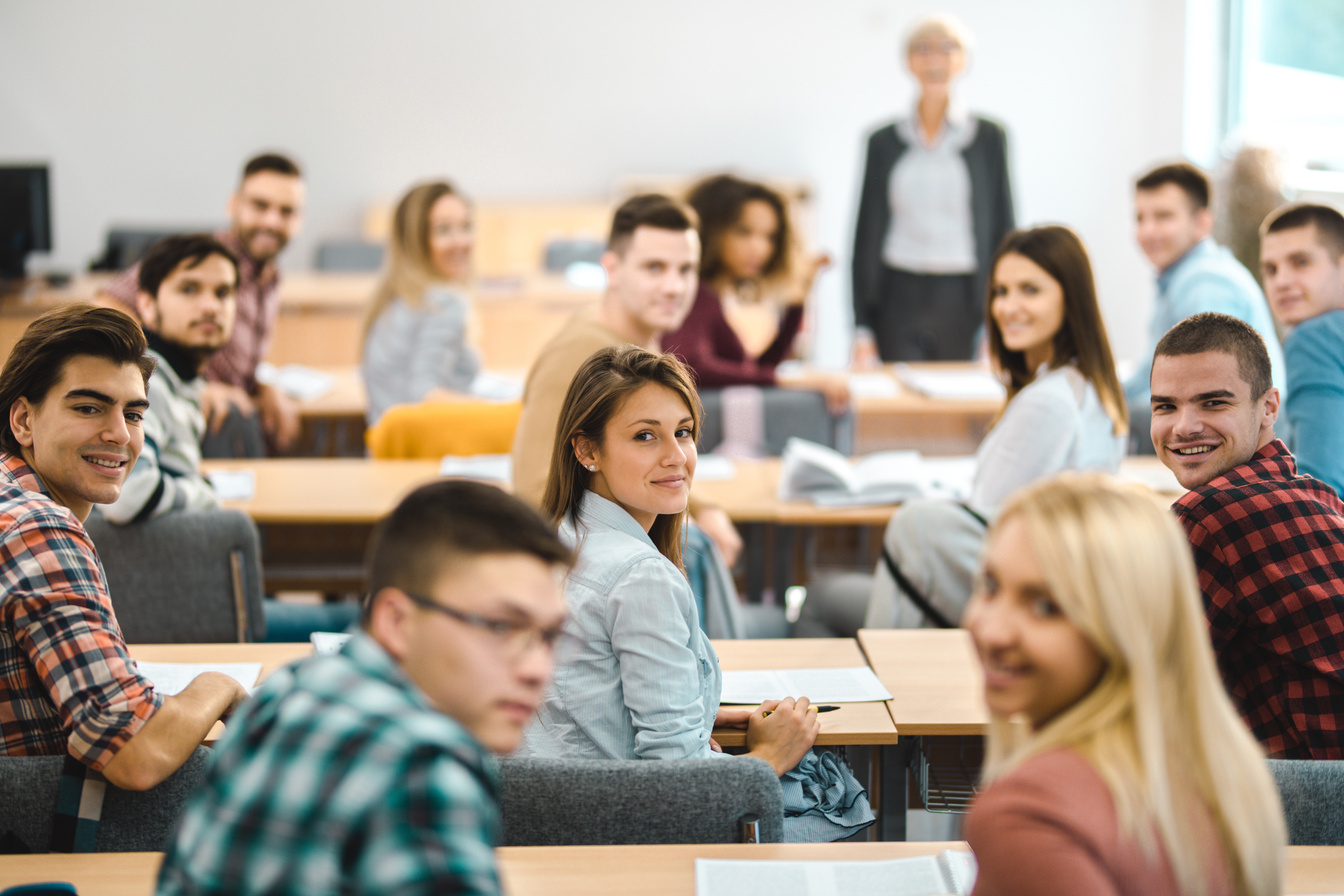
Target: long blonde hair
{"type": "Point", "coordinates": [409, 269]}
{"type": "Point", "coordinates": [1158, 725]}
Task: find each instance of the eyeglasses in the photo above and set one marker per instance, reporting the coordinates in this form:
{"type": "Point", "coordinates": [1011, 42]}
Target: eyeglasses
{"type": "Point", "coordinates": [929, 47]}
{"type": "Point", "coordinates": [513, 638]}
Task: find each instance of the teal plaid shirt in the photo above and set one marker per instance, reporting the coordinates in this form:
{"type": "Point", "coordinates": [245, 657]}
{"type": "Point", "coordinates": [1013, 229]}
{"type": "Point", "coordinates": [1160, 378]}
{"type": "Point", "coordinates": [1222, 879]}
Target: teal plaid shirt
{"type": "Point", "coordinates": [339, 777]}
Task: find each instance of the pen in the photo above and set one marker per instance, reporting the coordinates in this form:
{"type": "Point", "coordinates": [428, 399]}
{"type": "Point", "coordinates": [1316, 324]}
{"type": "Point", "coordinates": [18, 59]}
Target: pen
{"type": "Point", "coordinates": [826, 708]}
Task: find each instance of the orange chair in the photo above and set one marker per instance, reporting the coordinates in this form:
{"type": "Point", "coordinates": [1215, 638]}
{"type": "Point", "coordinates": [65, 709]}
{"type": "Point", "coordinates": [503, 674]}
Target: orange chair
{"type": "Point", "coordinates": [438, 428]}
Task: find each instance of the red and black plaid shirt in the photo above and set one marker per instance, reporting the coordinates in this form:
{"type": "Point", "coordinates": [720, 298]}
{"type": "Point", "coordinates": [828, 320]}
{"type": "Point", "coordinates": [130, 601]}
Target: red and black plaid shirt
{"type": "Point", "coordinates": [1269, 546]}
{"type": "Point", "coordinates": [254, 327]}
{"type": "Point", "coordinates": [66, 681]}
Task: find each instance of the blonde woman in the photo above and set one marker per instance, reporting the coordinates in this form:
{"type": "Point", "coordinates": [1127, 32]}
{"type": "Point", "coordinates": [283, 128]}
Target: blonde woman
{"type": "Point", "coordinates": [416, 334]}
{"type": "Point", "coordinates": [1116, 763]}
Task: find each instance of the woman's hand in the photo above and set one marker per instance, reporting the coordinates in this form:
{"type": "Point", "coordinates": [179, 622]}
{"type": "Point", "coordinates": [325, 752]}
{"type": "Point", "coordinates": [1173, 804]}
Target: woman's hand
{"type": "Point", "coordinates": [834, 387]}
{"type": "Point", "coordinates": [865, 355]}
{"type": "Point", "coordinates": [785, 734]}
{"type": "Point", "coordinates": [735, 716]}
{"type": "Point", "coordinates": [804, 274]}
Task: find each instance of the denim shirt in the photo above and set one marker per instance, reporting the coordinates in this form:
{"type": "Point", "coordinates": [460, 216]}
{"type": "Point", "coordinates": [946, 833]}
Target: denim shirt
{"type": "Point", "coordinates": [640, 680]}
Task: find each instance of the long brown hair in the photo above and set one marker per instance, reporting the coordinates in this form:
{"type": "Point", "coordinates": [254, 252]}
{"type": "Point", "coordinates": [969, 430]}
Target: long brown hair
{"type": "Point", "coordinates": [409, 270]}
{"type": "Point", "coordinates": [598, 390]}
{"type": "Point", "coordinates": [719, 201]}
{"type": "Point", "coordinates": [1081, 338]}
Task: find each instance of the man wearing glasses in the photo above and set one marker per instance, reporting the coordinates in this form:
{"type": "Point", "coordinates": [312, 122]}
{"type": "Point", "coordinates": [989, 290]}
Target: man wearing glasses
{"type": "Point", "coordinates": [367, 771]}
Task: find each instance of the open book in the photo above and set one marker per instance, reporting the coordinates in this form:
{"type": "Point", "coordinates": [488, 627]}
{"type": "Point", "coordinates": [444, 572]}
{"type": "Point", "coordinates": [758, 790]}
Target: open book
{"type": "Point", "coordinates": [951, 871]}
{"type": "Point", "coordinates": [814, 472]}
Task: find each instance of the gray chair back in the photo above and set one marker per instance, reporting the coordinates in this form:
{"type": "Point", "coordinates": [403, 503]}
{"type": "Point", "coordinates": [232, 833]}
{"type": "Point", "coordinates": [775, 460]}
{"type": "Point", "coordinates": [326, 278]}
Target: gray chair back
{"type": "Point", "coordinates": [132, 821]}
{"type": "Point", "coordinates": [571, 802]}
{"type": "Point", "coordinates": [184, 578]}
{"type": "Point", "coordinates": [787, 413]}
{"type": "Point", "coordinates": [1312, 792]}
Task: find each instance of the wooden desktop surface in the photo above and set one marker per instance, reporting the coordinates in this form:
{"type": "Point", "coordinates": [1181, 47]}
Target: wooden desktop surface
{"type": "Point", "coordinates": [934, 679]}
{"type": "Point", "coordinates": [852, 724]}
{"type": "Point", "coordinates": [654, 870]}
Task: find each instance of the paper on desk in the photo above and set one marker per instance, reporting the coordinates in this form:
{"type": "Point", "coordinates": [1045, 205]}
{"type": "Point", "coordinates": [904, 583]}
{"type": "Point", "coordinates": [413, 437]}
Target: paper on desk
{"type": "Point", "coordinates": [857, 684]}
{"type": "Point", "coordinates": [951, 871]}
{"type": "Point", "coordinates": [490, 467]}
{"type": "Point", "coordinates": [303, 383]}
{"type": "Point", "coordinates": [714, 468]}
{"type": "Point", "coordinates": [233, 485]}
{"type": "Point", "coordinates": [171, 678]}
{"type": "Point", "coordinates": [496, 387]}
{"type": "Point", "coordinates": [872, 385]}
{"type": "Point", "coordinates": [962, 384]}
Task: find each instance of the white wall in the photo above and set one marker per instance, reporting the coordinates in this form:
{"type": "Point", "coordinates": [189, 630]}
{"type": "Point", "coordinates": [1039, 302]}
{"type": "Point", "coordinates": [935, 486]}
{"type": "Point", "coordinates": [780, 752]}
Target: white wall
{"type": "Point", "coordinates": [146, 108]}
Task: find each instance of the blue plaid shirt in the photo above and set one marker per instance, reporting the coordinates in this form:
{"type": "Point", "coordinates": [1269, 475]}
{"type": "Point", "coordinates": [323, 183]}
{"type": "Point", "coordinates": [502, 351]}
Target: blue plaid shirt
{"type": "Point", "coordinates": [340, 777]}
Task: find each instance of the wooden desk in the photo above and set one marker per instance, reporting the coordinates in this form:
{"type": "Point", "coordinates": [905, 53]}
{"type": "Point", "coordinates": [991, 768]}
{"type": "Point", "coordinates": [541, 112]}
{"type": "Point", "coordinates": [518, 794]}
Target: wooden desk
{"type": "Point", "coordinates": [584, 870]}
{"type": "Point", "coordinates": [271, 656]}
{"type": "Point", "coordinates": [854, 724]}
{"type": "Point", "coordinates": [910, 419]}
{"type": "Point", "coordinates": [934, 679]}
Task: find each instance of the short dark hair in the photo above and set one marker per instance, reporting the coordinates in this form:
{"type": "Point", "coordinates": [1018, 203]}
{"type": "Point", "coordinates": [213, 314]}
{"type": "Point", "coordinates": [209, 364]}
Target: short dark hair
{"type": "Point", "coordinates": [1193, 182]}
{"type": "Point", "coordinates": [647, 210]}
{"type": "Point", "coordinates": [271, 161]}
{"type": "Point", "coordinates": [169, 253]}
{"type": "Point", "coordinates": [1213, 332]}
{"type": "Point", "coordinates": [38, 359]}
{"type": "Point", "coordinates": [451, 520]}
{"type": "Point", "coordinates": [1328, 220]}
{"type": "Point", "coordinates": [719, 201]}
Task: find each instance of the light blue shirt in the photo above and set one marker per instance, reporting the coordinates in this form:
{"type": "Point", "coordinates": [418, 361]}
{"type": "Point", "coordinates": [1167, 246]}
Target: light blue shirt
{"type": "Point", "coordinates": [1206, 278]}
{"type": "Point", "coordinates": [1315, 405]}
{"type": "Point", "coordinates": [640, 680]}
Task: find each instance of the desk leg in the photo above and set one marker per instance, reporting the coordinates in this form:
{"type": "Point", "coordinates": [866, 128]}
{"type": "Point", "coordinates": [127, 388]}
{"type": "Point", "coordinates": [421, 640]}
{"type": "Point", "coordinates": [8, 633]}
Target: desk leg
{"type": "Point", "coordinates": [894, 764]}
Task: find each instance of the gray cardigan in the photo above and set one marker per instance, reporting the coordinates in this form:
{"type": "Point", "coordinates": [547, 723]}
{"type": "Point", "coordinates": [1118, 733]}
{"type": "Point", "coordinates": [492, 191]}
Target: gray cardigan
{"type": "Point", "coordinates": [991, 209]}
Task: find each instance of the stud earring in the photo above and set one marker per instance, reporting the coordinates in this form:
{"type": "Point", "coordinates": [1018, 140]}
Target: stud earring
{"type": "Point", "coordinates": [592, 468]}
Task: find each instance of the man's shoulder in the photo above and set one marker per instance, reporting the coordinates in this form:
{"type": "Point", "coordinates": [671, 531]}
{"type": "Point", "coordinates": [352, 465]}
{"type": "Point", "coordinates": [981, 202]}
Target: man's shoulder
{"type": "Point", "coordinates": [1326, 329]}
{"type": "Point", "coordinates": [23, 502]}
{"type": "Point", "coordinates": [1209, 262]}
{"type": "Point", "coordinates": [580, 336]}
{"type": "Point", "coordinates": [1268, 485]}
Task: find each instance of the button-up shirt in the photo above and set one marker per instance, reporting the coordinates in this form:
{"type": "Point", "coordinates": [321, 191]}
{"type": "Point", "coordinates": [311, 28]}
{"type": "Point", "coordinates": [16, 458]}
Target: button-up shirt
{"type": "Point", "coordinates": [67, 684]}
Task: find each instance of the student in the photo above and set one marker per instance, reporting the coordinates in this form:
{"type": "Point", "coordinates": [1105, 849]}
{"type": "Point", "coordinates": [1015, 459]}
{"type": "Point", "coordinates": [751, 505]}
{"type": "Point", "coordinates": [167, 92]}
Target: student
{"type": "Point", "coordinates": [73, 389]}
{"type": "Point", "coordinates": [416, 333]}
{"type": "Point", "coordinates": [1064, 411]}
{"type": "Point", "coordinates": [1115, 763]}
{"type": "Point", "coordinates": [1302, 261]}
{"type": "Point", "coordinates": [369, 771]}
{"type": "Point", "coordinates": [1194, 274]}
{"type": "Point", "coordinates": [748, 254]}
{"type": "Point", "coordinates": [936, 199]}
{"type": "Point", "coordinates": [187, 300]}
{"type": "Point", "coordinates": [1268, 541]}
{"type": "Point", "coordinates": [642, 680]}
{"type": "Point", "coordinates": [265, 213]}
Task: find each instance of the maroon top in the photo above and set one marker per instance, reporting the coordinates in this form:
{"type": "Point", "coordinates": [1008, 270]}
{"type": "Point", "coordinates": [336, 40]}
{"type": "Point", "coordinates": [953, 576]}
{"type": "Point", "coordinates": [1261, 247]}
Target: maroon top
{"type": "Point", "coordinates": [1049, 828]}
{"type": "Point", "coordinates": [708, 345]}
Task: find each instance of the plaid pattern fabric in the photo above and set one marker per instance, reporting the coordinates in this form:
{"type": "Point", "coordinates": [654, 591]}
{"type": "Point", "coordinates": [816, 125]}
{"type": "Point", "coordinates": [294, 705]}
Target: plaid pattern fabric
{"type": "Point", "coordinates": [339, 777]}
{"type": "Point", "coordinates": [66, 681]}
{"type": "Point", "coordinates": [1269, 547]}
{"type": "Point", "coordinates": [253, 329]}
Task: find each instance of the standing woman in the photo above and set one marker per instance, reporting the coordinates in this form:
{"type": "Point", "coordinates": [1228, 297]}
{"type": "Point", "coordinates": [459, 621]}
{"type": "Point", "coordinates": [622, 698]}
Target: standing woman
{"type": "Point", "coordinates": [748, 257]}
{"type": "Point", "coordinates": [416, 334]}
{"type": "Point", "coordinates": [935, 202]}
{"type": "Point", "coordinates": [641, 679]}
{"type": "Point", "coordinates": [1065, 411]}
{"type": "Point", "coordinates": [1116, 763]}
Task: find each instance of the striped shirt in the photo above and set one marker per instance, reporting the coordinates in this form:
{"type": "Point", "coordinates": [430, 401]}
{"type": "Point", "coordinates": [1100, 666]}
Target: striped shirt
{"type": "Point", "coordinates": [340, 777]}
{"type": "Point", "coordinates": [66, 681]}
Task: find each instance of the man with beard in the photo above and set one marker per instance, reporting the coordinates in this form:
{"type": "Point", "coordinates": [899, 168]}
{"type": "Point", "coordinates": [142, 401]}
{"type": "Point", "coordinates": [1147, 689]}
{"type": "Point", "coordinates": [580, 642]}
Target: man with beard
{"type": "Point", "coordinates": [265, 213]}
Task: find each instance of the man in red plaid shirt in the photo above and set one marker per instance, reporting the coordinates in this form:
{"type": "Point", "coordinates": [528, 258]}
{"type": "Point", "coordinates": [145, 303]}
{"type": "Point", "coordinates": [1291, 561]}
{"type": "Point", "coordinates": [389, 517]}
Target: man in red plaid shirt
{"type": "Point", "coordinates": [1268, 542]}
{"type": "Point", "coordinates": [73, 390]}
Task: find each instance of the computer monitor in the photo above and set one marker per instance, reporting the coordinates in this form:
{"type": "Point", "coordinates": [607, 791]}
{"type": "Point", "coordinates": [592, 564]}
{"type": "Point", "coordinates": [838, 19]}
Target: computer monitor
{"type": "Point", "coordinates": [25, 216]}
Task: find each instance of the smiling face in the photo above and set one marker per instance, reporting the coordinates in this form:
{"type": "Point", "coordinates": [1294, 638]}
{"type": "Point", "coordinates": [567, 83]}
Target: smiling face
{"type": "Point", "coordinates": [1167, 225]}
{"type": "Point", "coordinates": [83, 438]}
{"type": "Point", "coordinates": [747, 246]}
{"type": "Point", "coordinates": [195, 307]}
{"type": "Point", "coordinates": [1302, 279]}
{"type": "Point", "coordinates": [935, 60]}
{"type": "Point", "coordinates": [1205, 420]}
{"type": "Point", "coordinates": [647, 457]}
{"type": "Point", "coordinates": [651, 283]}
{"type": "Point", "coordinates": [490, 686]}
{"type": "Point", "coordinates": [1027, 305]}
{"type": "Point", "coordinates": [267, 212]}
{"type": "Point", "coordinates": [1035, 661]}
{"type": "Point", "coordinates": [451, 237]}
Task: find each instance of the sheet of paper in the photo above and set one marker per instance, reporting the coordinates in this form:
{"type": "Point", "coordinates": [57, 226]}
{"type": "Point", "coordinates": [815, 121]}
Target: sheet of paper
{"type": "Point", "coordinates": [913, 876]}
{"type": "Point", "coordinates": [234, 485]}
{"type": "Point", "coordinates": [328, 642]}
{"type": "Point", "coordinates": [714, 468]}
{"type": "Point", "coordinates": [952, 384]}
{"type": "Point", "coordinates": [872, 385]}
{"type": "Point", "coordinates": [171, 678]}
{"type": "Point", "coordinates": [303, 383]}
{"type": "Point", "coordinates": [496, 387]}
{"type": "Point", "coordinates": [490, 467]}
{"type": "Point", "coordinates": [855, 684]}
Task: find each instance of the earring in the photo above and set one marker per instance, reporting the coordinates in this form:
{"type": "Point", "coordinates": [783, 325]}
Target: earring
{"type": "Point", "coordinates": [592, 468]}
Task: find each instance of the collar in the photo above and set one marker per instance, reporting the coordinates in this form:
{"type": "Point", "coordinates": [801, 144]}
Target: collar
{"type": "Point", "coordinates": [957, 130]}
{"type": "Point", "coordinates": [185, 364]}
{"type": "Point", "coordinates": [373, 659]}
{"type": "Point", "coordinates": [1201, 248]}
{"type": "Point", "coordinates": [14, 468]}
{"type": "Point", "coordinates": [596, 512]}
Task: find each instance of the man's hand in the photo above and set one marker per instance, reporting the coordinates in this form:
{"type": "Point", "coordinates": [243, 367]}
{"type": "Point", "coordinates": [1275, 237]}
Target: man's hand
{"type": "Point", "coordinates": [217, 398]}
{"type": "Point", "coordinates": [719, 527]}
{"type": "Point", "coordinates": [279, 416]}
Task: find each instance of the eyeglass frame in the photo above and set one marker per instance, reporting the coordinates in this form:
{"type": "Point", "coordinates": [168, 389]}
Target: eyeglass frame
{"type": "Point", "coordinates": [515, 638]}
